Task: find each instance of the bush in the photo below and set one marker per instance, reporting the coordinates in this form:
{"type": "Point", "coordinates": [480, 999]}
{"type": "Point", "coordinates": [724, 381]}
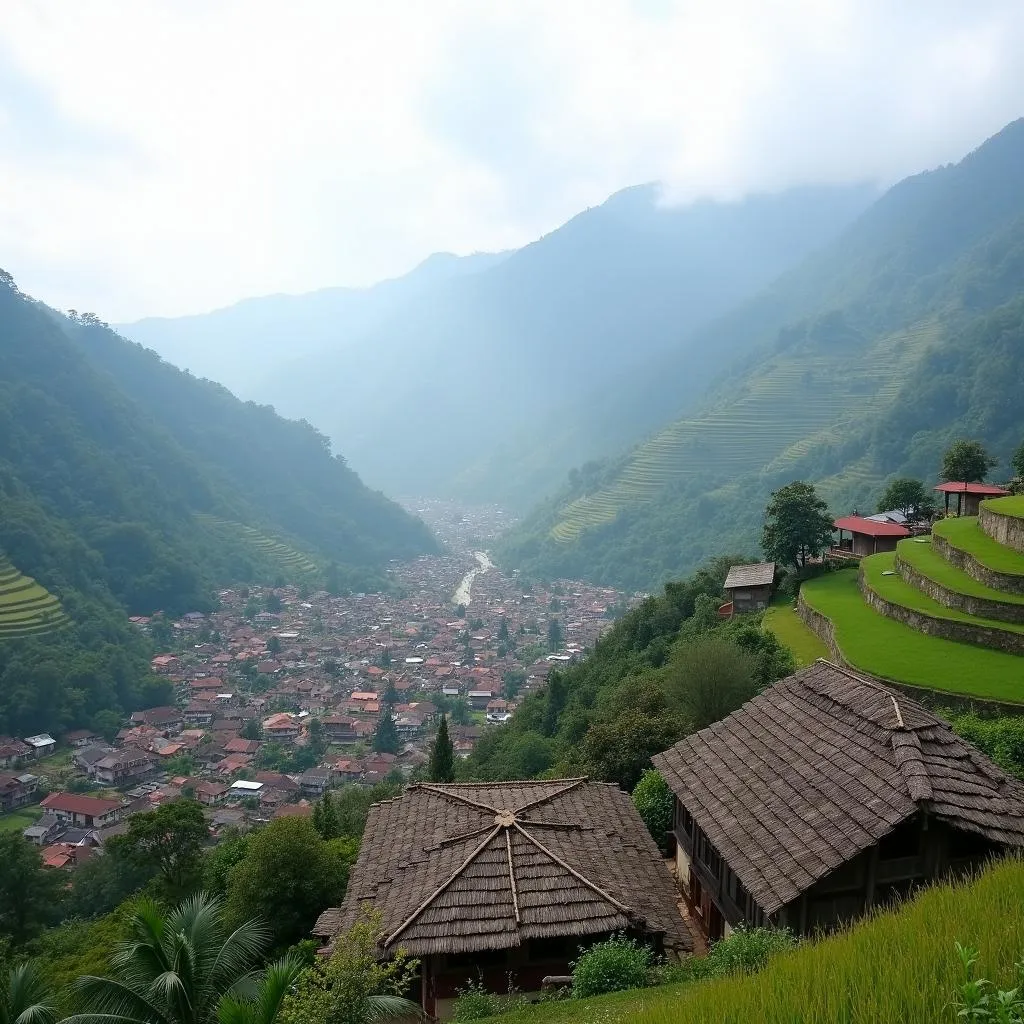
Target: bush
{"type": "Point", "coordinates": [747, 950]}
{"type": "Point", "coordinates": [653, 800]}
{"type": "Point", "coordinates": [611, 966]}
{"type": "Point", "coordinates": [476, 1003]}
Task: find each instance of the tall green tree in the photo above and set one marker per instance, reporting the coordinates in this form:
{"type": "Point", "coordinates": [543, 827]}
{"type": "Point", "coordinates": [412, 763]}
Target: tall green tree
{"type": "Point", "coordinates": [967, 461]}
{"type": "Point", "coordinates": [797, 524]}
{"type": "Point", "coordinates": [555, 635]}
{"type": "Point", "coordinates": [1017, 461]}
{"type": "Point", "coordinates": [385, 739]}
{"type": "Point", "coordinates": [711, 677]}
{"type": "Point", "coordinates": [909, 497]}
{"type": "Point", "coordinates": [288, 875]}
{"type": "Point", "coordinates": [187, 967]}
{"type": "Point", "coordinates": [654, 803]}
{"type": "Point", "coordinates": [442, 755]}
{"type": "Point", "coordinates": [26, 996]}
{"type": "Point", "coordinates": [30, 893]}
{"type": "Point", "coordinates": [171, 841]}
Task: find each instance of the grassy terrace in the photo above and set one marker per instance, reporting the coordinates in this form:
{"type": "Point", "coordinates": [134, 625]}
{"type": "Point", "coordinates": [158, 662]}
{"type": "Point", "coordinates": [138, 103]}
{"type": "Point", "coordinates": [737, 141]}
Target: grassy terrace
{"type": "Point", "coordinates": [895, 589]}
{"type": "Point", "coordinates": [1012, 506]}
{"type": "Point", "coordinates": [26, 607]}
{"type": "Point", "coordinates": [783, 621]}
{"type": "Point", "coordinates": [20, 819]}
{"type": "Point", "coordinates": [919, 553]}
{"type": "Point", "coordinates": [889, 649]}
{"type": "Point", "coordinates": [899, 967]}
{"type": "Point", "coordinates": [965, 535]}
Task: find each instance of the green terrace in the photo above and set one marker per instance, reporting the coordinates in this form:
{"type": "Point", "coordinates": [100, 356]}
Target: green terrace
{"type": "Point", "coordinates": [920, 555]}
{"type": "Point", "coordinates": [791, 631]}
{"type": "Point", "coordinates": [26, 608]}
{"type": "Point", "coordinates": [965, 535]}
{"type": "Point", "coordinates": [883, 647]}
{"type": "Point", "coordinates": [1011, 506]}
{"type": "Point", "coordinates": [794, 405]}
{"type": "Point", "coordinates": [288, 559]}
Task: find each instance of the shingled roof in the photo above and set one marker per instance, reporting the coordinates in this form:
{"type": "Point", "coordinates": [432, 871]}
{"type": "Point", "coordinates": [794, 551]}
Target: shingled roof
{"type": "Point", "coordinates": [760, 574]}
{"type": "Point", "coordinates": [821, 766]}
{"type": "Point", "coordinates": [461, 868]}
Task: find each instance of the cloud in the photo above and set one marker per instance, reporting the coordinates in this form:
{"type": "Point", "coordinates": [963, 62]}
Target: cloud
{"type": "Point", "coordinates": [166, 157]}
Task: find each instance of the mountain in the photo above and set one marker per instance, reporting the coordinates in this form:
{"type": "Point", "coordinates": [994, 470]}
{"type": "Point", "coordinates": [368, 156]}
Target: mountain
{"type": "Point", "coordinates": [128, 486]}
{"type": "Point", "coordinates": [861, 363]}
{"type": "Point", "coordinates": [242, 346]}
{"type": "Point", "coordinates": [462, 388]}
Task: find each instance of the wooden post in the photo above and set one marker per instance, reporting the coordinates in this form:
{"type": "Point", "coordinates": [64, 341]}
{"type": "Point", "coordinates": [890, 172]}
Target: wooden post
{"type": "Point", "coordinates": [869, 882]}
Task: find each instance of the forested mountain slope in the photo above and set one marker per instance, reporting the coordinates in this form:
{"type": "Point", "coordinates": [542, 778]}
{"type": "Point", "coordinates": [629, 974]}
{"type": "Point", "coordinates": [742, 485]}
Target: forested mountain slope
{"type": "Point", "coordinates": [129, 486]}
{"type": "Point", "coordinates": [461, 389]}
{"type": "Point", "coordinates": [865, 360]}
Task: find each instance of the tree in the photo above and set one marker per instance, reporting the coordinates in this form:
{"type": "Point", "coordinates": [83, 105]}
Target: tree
{"type": "Point", "coordinates": [711, 678]}
{"type": "Point", "coordinates": [503, 629]}
{"type": "Point", "coordinates": [909, 497]}
{"type": "Point", "coordinates": [185, 967]}
{"type": "Point", "coordinates": [29, 892]}
{"type": "Point", "coordinates": [171, 840]}
{"type": "Point", "coordinates": [384, 661]}
{"type": "Point", "coordinates": [390, 694]}
{"type": "Point", "coordinates": [288, 875]}
{"type": "Point", "coordinates": [620, 750]}
{"type": "Point", "coordinates": [385, 739]}
{"type": "Point", "coordinates": [355, 985]}
{"type": "Point", "coordinates": [966, 461]}
{"type": "Point", "coordinates": [252, 730]}
{"type": "Point", "coordinates": [273, 644]}
{"type": "Point", "coordinates": [442, 755]}
{"type": "Point", "coordinates": [654, 802]}
{"type": "Point", "coordinates": [272, 603]}
{"type": "Point", "coordinates": [797, 524]}
{"type": "Point", "coordinates": [1017, 461]}
{"type": "Point", "coordinates": [554, 635]}
{"type": "Point", "coordinates": [325, 817]}
{"type": "Point", "coordinates": [26, 996]}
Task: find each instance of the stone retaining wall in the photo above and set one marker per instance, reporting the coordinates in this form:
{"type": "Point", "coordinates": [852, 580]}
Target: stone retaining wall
{"type": "Point", "coordinates": [821, 626]}
{"type": "Point", "coordinates": [948, 629]}
{"type": "Point", "coordinates": [1008, 530]}
{"type": "Point", "coordinates": [1011, 583]}
{"type": "Point", "coordinates": [982, 607]}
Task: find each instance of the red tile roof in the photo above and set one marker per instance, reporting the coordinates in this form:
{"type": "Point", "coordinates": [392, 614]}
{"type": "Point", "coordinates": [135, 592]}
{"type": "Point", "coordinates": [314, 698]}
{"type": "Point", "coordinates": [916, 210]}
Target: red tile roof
{"type": "Point", "coordinates": [73, 803]}
{"type": "Point", "coordinates": [960, 487]}
{"type": "Point", "coordinates": [870, 527]}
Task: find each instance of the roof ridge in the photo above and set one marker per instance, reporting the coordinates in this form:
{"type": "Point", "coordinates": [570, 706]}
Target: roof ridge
{"type": "Point", "coordinates": [873, 684]}
{"type": "Point", "coordinates": [906, 745]}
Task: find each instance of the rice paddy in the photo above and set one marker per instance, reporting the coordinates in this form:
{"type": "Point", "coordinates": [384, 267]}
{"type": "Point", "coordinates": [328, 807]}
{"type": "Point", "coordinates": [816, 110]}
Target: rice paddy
{"type": "Point", "coordinates": [284, 557]}
{"type": "Point", "coordinates": [26, 608]}
{"type": "Point", "coordinates": [796, 404]}
{"type": "Point", "coordinates": [888, 649]}
{"type": "Point", "coordinates": [897, 967]}
{"type": "Point", "coordinates": [793, 633]}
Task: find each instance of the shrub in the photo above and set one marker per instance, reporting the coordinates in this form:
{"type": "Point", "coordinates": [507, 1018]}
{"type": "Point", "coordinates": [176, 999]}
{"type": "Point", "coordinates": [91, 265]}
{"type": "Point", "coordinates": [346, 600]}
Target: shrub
{"type": "Point", "coordinates": [474, 1002]}
{"type": "Point", "coordinates": [653, 800]}
{"type": "Point", "coordinates": [611, 966]}
{"type": "Point", "coordinates": [977, 999]}
{"type": "Point", "coordinates": [747, 950]}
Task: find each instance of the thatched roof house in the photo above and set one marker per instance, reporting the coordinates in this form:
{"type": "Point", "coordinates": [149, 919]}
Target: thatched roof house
{"type": "Point", "coordinates": [825, 795]}
{"type": "Point", "coordinates": [507, 878]}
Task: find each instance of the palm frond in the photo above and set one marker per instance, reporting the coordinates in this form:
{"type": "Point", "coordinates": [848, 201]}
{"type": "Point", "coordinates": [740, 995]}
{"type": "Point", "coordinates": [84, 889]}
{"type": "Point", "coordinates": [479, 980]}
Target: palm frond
{"type": "Point", "coordinates": [242, 948]}
{"type": "Point", "coordinates": [109, 997]}
{"type": "Point", "coordinates": [382, 1008]}
{"type": "Point", "coordinates": [26, 997]}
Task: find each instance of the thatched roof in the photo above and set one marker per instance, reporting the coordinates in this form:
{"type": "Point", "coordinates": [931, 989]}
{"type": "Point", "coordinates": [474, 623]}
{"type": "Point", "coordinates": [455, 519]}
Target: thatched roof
{"type": "Point", "coordinates": [461, 868]}
{"type": "Point", "coordinates": [821, 766]}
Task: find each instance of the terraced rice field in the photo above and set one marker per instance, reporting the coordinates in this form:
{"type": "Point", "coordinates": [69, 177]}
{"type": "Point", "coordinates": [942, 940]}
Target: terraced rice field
{"type": "Point", "coordinates": [890, 650]}
{"type": "Point", "coordinates": [26, 608]}
{"type": "Point", "coordinates": [795, 404]}
{"type": "Point", "coordinates": [965, 535]}
{"type": "Point", "coordinates": [920, 555]}
{"type": "Point", "coordinates": [291, 561]}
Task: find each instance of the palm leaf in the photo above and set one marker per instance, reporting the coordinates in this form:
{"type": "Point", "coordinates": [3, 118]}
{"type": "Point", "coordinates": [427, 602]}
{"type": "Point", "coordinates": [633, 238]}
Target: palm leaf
{"type": "Point", "coordinates": [26, 997]}
{"type": "Point", "coordinates": [381, 1008]}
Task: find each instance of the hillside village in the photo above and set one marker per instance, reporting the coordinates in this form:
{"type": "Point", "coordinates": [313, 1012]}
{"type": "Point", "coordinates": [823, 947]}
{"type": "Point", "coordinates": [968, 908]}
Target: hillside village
{"type": "Point", "coordinates": [272, 708]}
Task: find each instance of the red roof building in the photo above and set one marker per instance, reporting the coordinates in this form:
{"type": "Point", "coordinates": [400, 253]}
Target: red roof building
{"type": "Point", "coordinates": [867, 536]}
{"type": "Point", "coordinates": [969, 496]}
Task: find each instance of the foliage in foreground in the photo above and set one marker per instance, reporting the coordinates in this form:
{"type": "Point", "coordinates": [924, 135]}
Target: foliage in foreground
{"type": "Point", "coordinates": [654, 802]}
{"type": "Point", "coordinates": [611, 966]}
{"type": "Point", "coordinates": [898, 967]}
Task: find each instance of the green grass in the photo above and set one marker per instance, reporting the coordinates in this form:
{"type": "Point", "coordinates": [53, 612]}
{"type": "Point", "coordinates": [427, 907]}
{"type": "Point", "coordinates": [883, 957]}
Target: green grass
{"type": "Point", "coordinates": [26, 607]}
{"type": "Point", "coordinates": [19, 819]}
{"type": "Point", "coordinates": [965, 535]}
{"type": "Point", "coordinates": [888, 649]}
{"type": "Point", "coordinates": [1011, 506]}
{"type": "Point", "coordinates": [899, 591]}
{"type": "Point", "coordinates": [791, 631]}
{"type": "Point", "coordinates": [899, 967]}
{"type": "Point", "coordinates": [920, 555]}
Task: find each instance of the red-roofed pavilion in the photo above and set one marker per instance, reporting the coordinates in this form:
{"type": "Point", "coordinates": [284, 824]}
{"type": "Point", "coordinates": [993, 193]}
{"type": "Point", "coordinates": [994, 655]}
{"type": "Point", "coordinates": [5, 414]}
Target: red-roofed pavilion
{"type": "Point", "coordinates": [868, 536]}
{"type": "Point", "coordinates": [969, 496]}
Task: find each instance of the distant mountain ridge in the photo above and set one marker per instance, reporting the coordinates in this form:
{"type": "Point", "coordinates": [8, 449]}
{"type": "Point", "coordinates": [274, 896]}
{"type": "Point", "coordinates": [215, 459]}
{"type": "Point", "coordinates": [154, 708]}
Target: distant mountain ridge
{"type": "Point", "coordinates": [846, 379]}
{"type": "Point", "coordinates": [453, 388]}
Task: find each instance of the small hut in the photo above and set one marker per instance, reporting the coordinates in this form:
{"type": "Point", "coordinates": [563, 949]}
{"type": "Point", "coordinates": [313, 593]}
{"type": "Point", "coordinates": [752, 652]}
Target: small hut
{"type": "Point", "coordinates": [867, 536]}
{"type": "Point", "coordinates": [750, 587]}
{"type": "Point", "coordinates": [969, 496]}
{"type": "Point", "coordinates": [505, 882]}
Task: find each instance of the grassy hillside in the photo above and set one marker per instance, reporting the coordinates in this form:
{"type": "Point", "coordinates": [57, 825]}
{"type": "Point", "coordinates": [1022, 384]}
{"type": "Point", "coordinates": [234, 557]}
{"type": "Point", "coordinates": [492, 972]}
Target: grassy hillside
{"type": "Point", "coordinates": [899, 967]}
{"type": "Point", "coordinates": [867, 360]}
{"type": "Point", "coordinates": [26, 608]}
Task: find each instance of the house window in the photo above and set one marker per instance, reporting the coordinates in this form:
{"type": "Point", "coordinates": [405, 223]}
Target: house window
{"type": "Point", "coordinates": [685, 820]}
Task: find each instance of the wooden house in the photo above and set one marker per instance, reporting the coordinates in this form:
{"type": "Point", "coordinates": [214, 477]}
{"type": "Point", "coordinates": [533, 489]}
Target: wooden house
{"type": "Point", "coordinates": [505, 882]}
{"type": "Point", "coordinates": [827, 795]}
{"type": "Point", "coordinates": [867, 536]}
{"type": "Point", "coordinates": [969, 496]}
{"type": "Point", "coordinates": [750, 587]}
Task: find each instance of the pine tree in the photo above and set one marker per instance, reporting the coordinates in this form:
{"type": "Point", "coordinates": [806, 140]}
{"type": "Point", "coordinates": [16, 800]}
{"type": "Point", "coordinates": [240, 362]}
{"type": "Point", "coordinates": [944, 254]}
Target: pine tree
{"type": "Point", "coordinates": [442, 755]}
{"type": "Point", "coordinates": [385, 739]}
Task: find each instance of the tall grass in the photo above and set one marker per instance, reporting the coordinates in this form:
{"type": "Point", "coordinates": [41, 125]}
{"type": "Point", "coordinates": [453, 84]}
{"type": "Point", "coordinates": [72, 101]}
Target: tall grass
{"type": "Point", "coordinates": [899, 967]}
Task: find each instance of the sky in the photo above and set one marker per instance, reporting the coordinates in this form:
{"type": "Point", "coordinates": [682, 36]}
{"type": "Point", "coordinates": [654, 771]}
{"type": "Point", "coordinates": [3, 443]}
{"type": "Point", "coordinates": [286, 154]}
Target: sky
{"type": "Point", "coordinates": [163, 158]}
